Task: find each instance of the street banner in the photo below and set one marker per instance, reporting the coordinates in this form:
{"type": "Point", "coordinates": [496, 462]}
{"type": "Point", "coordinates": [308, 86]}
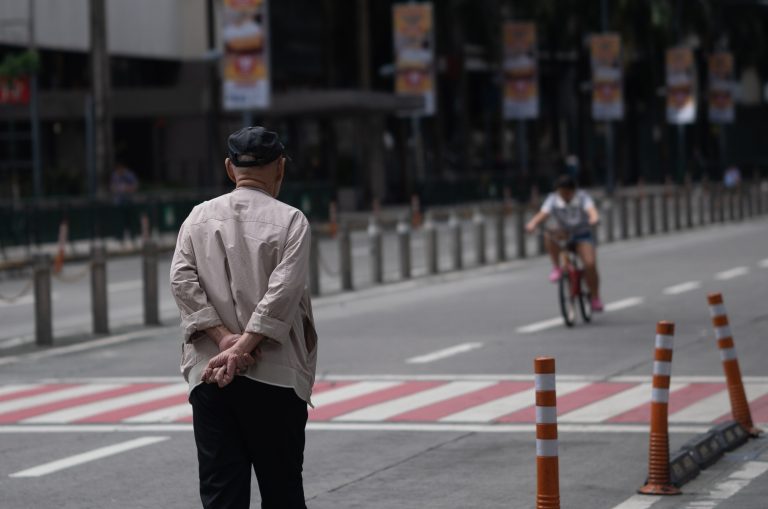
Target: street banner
{"type": "Point", "coordinates": [14, 90]}
{"type": "Point", "coordinates": [414, 52]}
{"type": "Point", "coordinates": [607, 90]}
{"type": "Point", "coordinates": [721, 87]}
{"type": "Point", "coordinates": [246, 83]}
{"type": "Point", "coordinates": [521, 91]}
{"type": "Point", "coordinates": [681, 86]}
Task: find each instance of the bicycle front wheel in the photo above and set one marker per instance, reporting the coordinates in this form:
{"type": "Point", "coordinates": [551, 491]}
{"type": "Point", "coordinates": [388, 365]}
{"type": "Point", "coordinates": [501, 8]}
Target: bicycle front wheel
{"type": "Point", "coordinates": [567, 300]}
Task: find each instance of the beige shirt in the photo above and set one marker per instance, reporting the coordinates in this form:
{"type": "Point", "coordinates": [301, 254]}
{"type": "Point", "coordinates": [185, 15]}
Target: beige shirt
{"type": "Point", "coordinates": [242, 260]}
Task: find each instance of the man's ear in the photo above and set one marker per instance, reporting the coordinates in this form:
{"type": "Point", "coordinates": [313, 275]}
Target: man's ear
{"type": "Point", "coordinates": [230, 170]}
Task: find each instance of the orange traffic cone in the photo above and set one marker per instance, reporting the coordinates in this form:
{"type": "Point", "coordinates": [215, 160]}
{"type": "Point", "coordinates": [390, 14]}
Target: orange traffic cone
{"type": "Point", "coordinates": [739, 403]}
{"type": "Point", "coordinates": [416, 218]}
{"type": "Point", "coordinates": [547, 467]}
{"type": "Point", "coordinates": [333, 224]}
{"type": "Point", "coordinates": [658, 457]}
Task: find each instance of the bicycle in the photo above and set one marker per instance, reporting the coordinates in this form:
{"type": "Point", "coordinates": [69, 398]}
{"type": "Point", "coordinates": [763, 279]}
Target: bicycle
{"type": "Point", "coordinates": [571, 286]}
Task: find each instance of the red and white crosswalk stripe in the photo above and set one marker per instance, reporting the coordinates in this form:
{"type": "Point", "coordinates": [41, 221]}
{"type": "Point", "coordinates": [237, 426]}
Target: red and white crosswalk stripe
{"type": "Point", "coordinates": [442, 400]}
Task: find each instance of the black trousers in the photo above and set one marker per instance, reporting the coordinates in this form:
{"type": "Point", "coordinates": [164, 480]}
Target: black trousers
{"type": "Point", "coordinates": [245, 425]}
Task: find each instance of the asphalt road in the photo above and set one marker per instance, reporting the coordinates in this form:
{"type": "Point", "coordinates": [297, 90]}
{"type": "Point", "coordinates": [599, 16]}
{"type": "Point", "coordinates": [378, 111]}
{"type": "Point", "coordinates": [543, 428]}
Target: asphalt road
{"type": "Point", "coordinates": [424, 397]}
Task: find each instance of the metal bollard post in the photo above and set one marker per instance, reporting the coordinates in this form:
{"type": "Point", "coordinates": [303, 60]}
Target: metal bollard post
{"type": "Point", "coordinates": [740, 202]}
{"type": "Point", "coordinates": [430, 248]}
{"type": "Point", "coordinates": [99, 306]}
{"type": "Point", "coordinates": [149, 272]}
{"type": "Point", "coordinates": [676, 208]}
{"type": "Point", "coordinates": [501, 237]}
{"type": "Point", "coordinates": [722, 195]}
{"type": "Point", "coordinates": [404, 244]}
{"type": "Point", "coordinates": [651, 214]}
{"type": "Point", "coordinates": [377, 258]}
{"type": "Point", "coordinates": [520, 231]}
{"type": "Point", "coordinates": [665, 212]}
{"type": "Point", "coordinates": [314, 264]}
{"type": "Point", "coordinates": [731, 206]}
{"type": "Point", "coordinates": [623, 217]}
{"type": "Point", "coordinates": [479, 222]}
{"type": "Point", "coordinates": [43, 308]}
{"type": "Point", "coordinates": [688, 208]}
{"type": "Point", "coordinates": [454, 225]}
{"type": "Point", "coordinates": [702, 207]}
{"type": "Point", "coordinates": [345, 258]}
{"type": "Point", "coordinates": [610, 234]}
{"type": "Point", "coordinates": [639, 215]}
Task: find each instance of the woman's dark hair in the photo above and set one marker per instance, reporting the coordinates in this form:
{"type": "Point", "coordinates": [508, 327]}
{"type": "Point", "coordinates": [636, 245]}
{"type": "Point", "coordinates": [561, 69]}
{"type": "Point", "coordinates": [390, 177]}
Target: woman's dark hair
{"type": "Point", "coordinates": [565, 182]}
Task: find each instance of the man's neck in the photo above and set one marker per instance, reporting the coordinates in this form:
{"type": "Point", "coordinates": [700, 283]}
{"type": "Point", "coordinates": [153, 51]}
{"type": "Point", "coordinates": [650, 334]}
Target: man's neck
{"type": "Point", "coordinates": [254, 184]}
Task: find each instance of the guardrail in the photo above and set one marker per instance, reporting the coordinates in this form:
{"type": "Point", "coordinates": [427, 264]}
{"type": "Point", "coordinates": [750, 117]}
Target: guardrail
{"type": "Point", "coordinates": [624, 216]}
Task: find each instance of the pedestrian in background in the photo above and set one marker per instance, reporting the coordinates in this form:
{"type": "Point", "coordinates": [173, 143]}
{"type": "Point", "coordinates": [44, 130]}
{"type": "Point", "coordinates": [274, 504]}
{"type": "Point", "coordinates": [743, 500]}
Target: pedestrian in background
{"type": "Point", "coordinates": [239, 277]}
{"type": "Point", "coordinates": [123, 185]}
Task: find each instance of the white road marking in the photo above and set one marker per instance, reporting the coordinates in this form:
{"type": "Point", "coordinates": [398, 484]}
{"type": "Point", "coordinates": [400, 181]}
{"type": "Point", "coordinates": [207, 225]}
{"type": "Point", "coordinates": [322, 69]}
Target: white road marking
{"type": "Point", "coordinates": [555, 322]}
{"type": "Point", "coordinates": [25, 300]}
{"type": "Point", "coordinates": [613, 405]}
{"type": "Point", "coordinates": [442, 354]}
{"type": "Point", "coordinates": [124, 286]}
{"type": "Point", "coordinates": [17, 341]}
{"type": "Point", "coordinates": [731, 273]}
{"type": "Point", "coordinates": [9, 389]}
{"type": "Point", "coordinates": [682, 288]}
{"type": "Point", "coordinates": [79, 459]}
{"type": "Point", "coordinates": [623, 304]}
{"type": "Point", "coordinates": [357, 426]}
{"type": "Point", "coordinates": [51, 397]}
{"type": "Point", "coordinates": [733, 484]}
{"type": "Point", "coordinates": [491, 410]}
{"type": "Point", "coordinates": [763, 264]}
{"type": "Point", "coordinates": [350, 391]}
{"type": "Point", "coordinates": [638, 502]}
{"type": "Point", "coordinates": [90, 409]}
{"type": "Point", "coordinates": [712, 407]}
{"type": "Point", "coordinates": [387, 409]}
{"type": "Point", "coordinates": [168, 414]}
{"type": "Point", "coordinates": [80, 347]}
{"type": "Point", "coordinates": [330, 377]}
{"type": "Point", "coordinates": [539, 326]}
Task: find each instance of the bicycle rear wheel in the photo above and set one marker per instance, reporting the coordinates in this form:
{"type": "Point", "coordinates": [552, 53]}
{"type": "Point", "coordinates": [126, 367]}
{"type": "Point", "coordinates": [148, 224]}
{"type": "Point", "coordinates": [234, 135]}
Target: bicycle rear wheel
{"type": "Point", "coordinates": [567, 301]}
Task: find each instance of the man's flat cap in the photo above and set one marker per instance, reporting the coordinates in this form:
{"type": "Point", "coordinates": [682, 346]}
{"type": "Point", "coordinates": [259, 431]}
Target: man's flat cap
{"type": "Point", "coordinates": [262, 145]}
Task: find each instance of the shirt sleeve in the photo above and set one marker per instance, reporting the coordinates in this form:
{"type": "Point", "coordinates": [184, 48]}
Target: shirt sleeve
{"type": "Point", "coordinates": [275, 312]}
{"type": "Point", "coordinates": [548, 204]}
{"type": "Point", "coordinates": [587, 201]}
{"type": "Point", "coordinates": [197, 313]}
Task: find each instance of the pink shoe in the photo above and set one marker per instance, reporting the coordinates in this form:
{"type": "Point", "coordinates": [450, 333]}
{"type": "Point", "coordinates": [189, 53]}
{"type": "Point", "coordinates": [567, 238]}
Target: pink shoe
{"type": "Point", "coordinates": [555, 275]}
{"type": "Point", "coordinates": [597, 304]}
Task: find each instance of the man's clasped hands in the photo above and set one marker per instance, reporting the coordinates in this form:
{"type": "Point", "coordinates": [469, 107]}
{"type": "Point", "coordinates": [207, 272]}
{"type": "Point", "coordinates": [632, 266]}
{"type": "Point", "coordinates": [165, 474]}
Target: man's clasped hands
{"type": "Point", "coordinates": [237, 352]}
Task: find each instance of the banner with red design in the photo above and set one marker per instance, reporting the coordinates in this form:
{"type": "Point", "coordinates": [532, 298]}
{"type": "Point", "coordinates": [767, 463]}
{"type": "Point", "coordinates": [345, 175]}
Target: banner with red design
{"type": "Point", "coordinates": [681, 86]}
{"type": "Point", "coordinates": [246, 84]}
{"type": "Point", "coordinates": [721, 85]}
{"type": "Point", "coordinates": [607, 93]}
{"type": "Point", "coordinates": [521, 90]}
{"type": "Point", "coordinates": [414, 52]}
{"type": "Point", "coordinates": [14, 90]}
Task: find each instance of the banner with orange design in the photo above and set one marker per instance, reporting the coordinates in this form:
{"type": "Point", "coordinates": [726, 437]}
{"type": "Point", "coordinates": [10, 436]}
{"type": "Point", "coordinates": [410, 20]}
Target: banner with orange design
{"type": "Point", "coordinates": [414, 52]}
{"type": "Point", "coordinates": [521, 90]}
{"type": "Point", "coordinates": [246, 81]}
{"type": "Point", "coordinates": [721, 85]}
{"type": "Point", "coordinates": [681, 86]}
{"type": "Point", "coordinates": [607, 90]}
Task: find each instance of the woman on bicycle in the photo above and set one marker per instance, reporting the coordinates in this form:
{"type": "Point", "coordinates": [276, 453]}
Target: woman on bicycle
{"type": "Point", "coordinates": [575, 214]}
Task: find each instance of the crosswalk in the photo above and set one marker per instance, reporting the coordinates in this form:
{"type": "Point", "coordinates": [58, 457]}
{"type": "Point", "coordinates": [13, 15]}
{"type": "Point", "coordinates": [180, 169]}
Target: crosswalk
{"type": "Point", "coordinates": [468, 400]}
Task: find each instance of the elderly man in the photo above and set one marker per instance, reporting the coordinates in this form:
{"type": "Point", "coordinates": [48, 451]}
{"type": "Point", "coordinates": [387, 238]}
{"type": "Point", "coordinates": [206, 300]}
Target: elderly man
{"type": "Point", "coordinates": [250, 347]}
